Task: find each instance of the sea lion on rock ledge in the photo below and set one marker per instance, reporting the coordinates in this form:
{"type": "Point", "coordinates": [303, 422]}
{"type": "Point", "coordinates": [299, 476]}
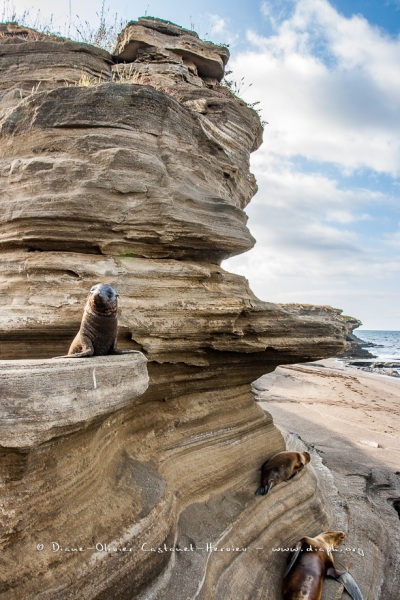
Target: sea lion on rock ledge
{"type": "Point", "coordinates": [281, 467]}
{"type": "Point", "coordinates": [310, 563]}
{"type": "Point", "coordinates": [97, 335]}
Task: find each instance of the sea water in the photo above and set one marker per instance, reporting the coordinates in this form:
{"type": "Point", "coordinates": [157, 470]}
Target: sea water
{"type": "Point", "coordinates": [386, 343]}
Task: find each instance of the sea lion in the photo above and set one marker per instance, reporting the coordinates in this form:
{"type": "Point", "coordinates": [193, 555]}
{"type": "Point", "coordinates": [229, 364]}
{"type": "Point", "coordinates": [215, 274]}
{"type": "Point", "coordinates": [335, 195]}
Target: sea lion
{"type": "Point", "coordinates": [281, 467]}
{"type": "Point", "coordinates": [97, 335]}
{"type": "Point", "coordinates": [310, 563]}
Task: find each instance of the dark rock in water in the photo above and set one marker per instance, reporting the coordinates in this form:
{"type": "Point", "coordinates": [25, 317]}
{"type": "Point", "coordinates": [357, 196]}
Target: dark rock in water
{"type": "Point", "coordinates": [392, 373]}
{"type": "Point", "coordinates": [388, 365]}
{"type": "Point", "coordinates": [363, 364]}
{"type": "Point", "coordinates": [358, 348]}
{"type": "Point", "coordinates": [391, 369]}
{"type": "Point", "coordinates": [382, 368]}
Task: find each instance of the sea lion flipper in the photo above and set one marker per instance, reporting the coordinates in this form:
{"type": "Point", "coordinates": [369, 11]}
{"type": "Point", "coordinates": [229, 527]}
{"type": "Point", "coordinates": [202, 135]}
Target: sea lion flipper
{"type": "Point", "coordinates": [264, 489]}
{"type": "Point", "coordinates": [351, 586]}
{"type": "Point", "coordinates": [293, 559]}
{"type": "Point", "coordinates": [291, 477]}
{"type": "Point", "coordinates": [347, 580]}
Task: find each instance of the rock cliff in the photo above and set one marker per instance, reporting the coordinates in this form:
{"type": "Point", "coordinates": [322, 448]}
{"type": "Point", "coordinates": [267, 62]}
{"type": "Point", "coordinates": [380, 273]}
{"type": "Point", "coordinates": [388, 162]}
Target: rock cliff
{"type": "Point", "coordinates": [133, 169]}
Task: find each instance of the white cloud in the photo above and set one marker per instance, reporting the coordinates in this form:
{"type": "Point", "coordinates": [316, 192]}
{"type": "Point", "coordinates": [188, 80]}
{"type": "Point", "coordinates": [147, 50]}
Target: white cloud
{"type": "Point", "coordinates": [393, 239]}
{"type": "Point", "coordinates": [220, 28]}
{"type": "Point", "coordinates": [344, 216]}
{"type": "Point", "coordinates": [329, 88]}
{"type": "Point", "coordinates": [309, 195]}
{"type": "Point", "coordinates": [218, 24]}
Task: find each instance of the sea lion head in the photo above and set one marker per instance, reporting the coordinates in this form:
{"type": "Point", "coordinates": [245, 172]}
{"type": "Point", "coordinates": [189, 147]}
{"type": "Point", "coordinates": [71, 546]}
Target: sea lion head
{"type": "Point", "coordinates": [307, 457]}
{"type": "Point", "coordinates": [333, 538]}
{"type": "Point", "coordinates": [103, 298]}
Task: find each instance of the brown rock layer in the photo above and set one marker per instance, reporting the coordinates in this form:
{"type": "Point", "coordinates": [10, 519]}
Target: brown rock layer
{"type": "Point", "coordinates": [147, 181]}
{"type": "Point", "coordinates": [175, 311]}
{"type": "Point", "coordinates": [140, 184]}
{"type": "Point", "coordinates": [208, 59]}
{"type": "Point", "coordinates": [53, 390]}
{"type": "Point", "coordinates": [31, 62]}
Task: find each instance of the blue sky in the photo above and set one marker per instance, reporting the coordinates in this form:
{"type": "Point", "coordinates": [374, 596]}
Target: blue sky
{"type": "Point", "coordinates": [327, 76]}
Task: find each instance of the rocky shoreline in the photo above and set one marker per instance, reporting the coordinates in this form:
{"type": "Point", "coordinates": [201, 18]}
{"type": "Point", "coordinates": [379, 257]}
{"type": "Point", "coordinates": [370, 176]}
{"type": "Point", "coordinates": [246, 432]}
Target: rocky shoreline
{"type": "Point", "coordinates": [391, 368]}
{"type": "Point", "coordinates": [359, 356]}
{"type": "Point", "coordinates": [350, 420]}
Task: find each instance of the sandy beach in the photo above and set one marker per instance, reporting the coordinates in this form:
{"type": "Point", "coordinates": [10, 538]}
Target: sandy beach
{"type": "Point", "coordinates": [351, 419]}
{"type": "Point", "coordinates": [337, 407]}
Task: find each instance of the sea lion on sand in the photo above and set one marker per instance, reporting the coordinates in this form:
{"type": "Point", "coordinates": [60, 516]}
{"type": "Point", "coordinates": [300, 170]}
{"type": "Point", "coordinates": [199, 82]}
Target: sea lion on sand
{"type": "Point", "coordinates": [97, 335]}
{"type": "Point", "coordinates": [281, 467]}
{"type": "Point", "coordinates": [310, 563]}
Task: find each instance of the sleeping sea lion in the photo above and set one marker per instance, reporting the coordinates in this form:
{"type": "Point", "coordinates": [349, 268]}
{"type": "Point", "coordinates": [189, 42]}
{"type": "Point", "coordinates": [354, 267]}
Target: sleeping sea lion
{"type": "Point", "coordinates": [310, 563]}
{"type": "Point", "coordinates": [97, 335]}
{"type": "Point", "coordinates": [281, 467]}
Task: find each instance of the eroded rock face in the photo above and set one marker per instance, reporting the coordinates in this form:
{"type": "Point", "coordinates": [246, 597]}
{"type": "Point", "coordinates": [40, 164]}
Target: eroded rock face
{"type": "Point", "coordinates": [40, 397]}
{"type": "Point", "coordinates": [31, 62]}
{"type": "Point", "coordinates": [195, 314]}
{"type": "Point", "coordinates": [207, 59]}
{"type": "Point", "coordinates": [142, 185]}
{"type": "Point", "coordinates": [147, 180]}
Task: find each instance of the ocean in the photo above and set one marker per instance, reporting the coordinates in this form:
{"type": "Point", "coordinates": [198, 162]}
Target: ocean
{"type": "Point", "coordinates": [387, 343]}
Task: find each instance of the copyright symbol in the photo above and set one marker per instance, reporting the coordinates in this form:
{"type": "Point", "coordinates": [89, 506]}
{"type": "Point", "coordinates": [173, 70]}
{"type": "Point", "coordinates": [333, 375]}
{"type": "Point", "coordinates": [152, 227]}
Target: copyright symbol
{"type": "Point", "coordinates": [39, 546]}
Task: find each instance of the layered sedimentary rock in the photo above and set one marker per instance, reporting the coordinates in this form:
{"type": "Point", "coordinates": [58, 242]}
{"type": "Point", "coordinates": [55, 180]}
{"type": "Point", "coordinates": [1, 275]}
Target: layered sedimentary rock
{"type": "Point", "coordinates": [172, 42]}
{"type": "Point", "coordinates": [141, 183]}
{"type": "Point", "coordinates": [54, 389]}
{"type": "Point", "coordinates": [31, 62]}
